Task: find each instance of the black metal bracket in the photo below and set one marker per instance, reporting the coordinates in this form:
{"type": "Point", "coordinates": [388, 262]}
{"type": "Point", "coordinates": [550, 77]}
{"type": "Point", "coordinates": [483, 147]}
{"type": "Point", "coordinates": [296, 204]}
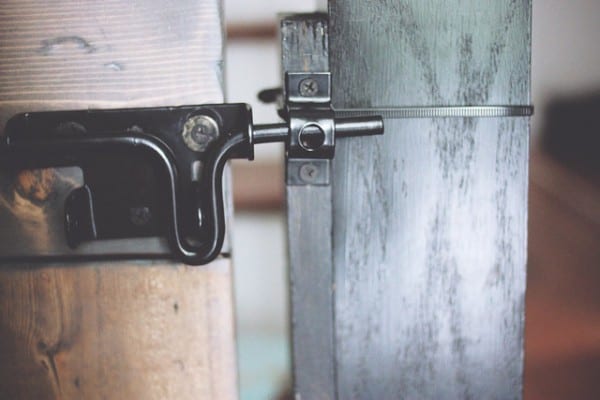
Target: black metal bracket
{"type": "Point", "coordinates": [157, 172]}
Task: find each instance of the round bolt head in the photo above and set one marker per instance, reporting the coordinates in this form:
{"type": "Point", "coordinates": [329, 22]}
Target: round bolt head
{"type": "Point", "coordinates": [199, 131]}
{"type": "Point", "coordinates": [308, 87]}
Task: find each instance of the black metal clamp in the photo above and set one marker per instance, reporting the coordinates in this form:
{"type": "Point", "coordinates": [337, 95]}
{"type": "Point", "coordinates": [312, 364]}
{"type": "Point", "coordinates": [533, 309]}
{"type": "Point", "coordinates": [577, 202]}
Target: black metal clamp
{"type": "Point", "coordinates": [167, 163]}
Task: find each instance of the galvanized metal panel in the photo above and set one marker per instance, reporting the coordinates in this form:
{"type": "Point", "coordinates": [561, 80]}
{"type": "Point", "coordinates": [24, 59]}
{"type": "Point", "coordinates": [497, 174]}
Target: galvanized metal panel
{"type": "Point", "coordinates": [430, 219]}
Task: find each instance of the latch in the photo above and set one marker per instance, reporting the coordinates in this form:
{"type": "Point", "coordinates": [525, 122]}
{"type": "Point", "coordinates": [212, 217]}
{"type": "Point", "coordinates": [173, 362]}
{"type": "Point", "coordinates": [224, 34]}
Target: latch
{"type": "Point", "coordinates": [157, 172]}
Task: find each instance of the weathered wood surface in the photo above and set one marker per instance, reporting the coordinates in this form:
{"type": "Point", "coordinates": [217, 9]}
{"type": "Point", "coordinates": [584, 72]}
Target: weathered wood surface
{"type": "Point", "coordinates": [430, 220]}
{"type": "Point", "coordinates": [305, 49]}
{"type": "Point", "coordinates": [143, 330]}
{"type": "Point", "coordinates": [109, 54]}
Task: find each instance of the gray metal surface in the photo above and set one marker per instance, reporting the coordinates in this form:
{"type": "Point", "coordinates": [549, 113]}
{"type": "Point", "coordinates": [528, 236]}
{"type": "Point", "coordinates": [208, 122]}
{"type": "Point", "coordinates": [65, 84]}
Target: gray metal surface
{"type": "Point", "coordinates": [305, 48]}
{"type": "Point", "coordinates": [430, 220]}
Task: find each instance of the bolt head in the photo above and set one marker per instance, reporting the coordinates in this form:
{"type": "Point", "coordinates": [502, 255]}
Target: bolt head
{"type": "Point", "coordinates": [199, 131]}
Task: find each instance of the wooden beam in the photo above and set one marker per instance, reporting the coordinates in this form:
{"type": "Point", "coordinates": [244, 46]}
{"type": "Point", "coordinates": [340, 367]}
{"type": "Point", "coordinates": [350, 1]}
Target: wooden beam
{"type": "Point", "coordinates": [112, 330]}
{"type": "Point", "coordinates": [430, 220]}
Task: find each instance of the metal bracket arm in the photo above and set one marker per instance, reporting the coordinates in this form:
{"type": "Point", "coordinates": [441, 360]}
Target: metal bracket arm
{"type": "Point", "coordinates": [173, 162]}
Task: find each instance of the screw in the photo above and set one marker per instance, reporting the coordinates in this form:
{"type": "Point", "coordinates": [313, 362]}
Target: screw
{"type": "Point", "coordinates": [199, 131]}
{"type": "Point", "coordinates": [308, 87]}
{"type": "Point", "coordinates": [309, 173]}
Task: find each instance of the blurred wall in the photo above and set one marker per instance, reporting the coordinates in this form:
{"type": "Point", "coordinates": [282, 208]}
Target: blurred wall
{"type": "Point", "coordinates": [260, 267]}
{"type": "Point", "coordinates": [249, 12]}
{"type": "Point", "coordinates": [566, 52]}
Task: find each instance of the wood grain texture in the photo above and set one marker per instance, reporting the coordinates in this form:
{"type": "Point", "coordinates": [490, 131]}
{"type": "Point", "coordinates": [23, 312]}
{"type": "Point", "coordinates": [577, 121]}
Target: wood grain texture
{"type": "Point", "coordinates": [135, 330]}
{"type": "Point", "coordinates": [109, 54]}
{"type": "Point", "coordinates": [430, 220]}
{"type": "Point", "coordinates": [117, 331]}
{"type": "Point", "coordinates": [305, 49]}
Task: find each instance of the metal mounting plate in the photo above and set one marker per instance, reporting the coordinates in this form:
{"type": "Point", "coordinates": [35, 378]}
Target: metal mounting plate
{"type": "Point", "coordinates": [125, 204]}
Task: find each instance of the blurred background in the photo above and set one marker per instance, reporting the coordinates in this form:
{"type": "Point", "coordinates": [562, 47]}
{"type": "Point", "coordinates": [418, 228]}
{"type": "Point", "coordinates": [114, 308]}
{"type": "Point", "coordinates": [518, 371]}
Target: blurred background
{"type": "Point", "coordinates": [259, 231]}
{"type": "Point", "coordinates": [563, 299]}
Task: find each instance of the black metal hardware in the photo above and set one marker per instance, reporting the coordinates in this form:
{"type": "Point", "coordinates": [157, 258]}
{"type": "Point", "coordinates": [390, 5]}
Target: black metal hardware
{"type": "Point", "coordinates": [158, 171]}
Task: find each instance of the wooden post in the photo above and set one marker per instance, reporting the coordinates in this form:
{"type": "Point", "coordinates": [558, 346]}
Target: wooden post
{"type": "Point", "coordinates": [107, 330]}
{"type": "Point", "coordinates": [428, 222]}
